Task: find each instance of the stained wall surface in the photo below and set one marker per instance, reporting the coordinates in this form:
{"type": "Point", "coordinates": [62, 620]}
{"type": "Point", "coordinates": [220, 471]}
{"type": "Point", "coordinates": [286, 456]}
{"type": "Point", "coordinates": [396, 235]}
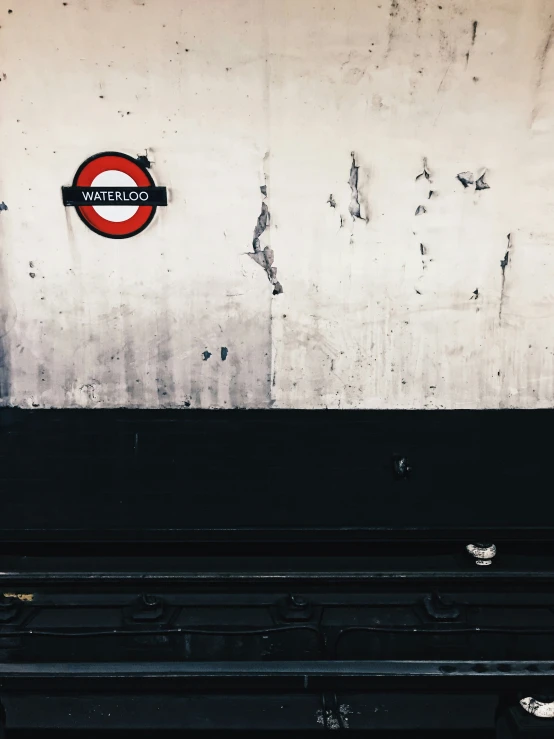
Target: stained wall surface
{"type": "Point", "coordinates": [333, 131]}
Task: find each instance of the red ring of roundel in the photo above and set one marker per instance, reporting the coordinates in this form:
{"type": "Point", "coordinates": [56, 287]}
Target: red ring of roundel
{"type": "Point", "coordinates": [120, 162]}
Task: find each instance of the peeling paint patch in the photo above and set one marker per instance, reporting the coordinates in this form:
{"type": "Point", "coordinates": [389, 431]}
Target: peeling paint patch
{"type": "Point", "coordinates": [206, 355]}
{"type": "Point", "coordinates": [27, 597]}
{"type": "Point", "coordinates": [425, 172]}
{"type": "Point", "coordinates": [3, 206]}
{"type": "Point", "coordinates": [332, 202]}
{"type": "Point", "coordinates": [354, 208]}
{"type": "Point", "coordinates": [421, 209]}
{"type": "Point", "coordinates": [224, 353]}
{"type": "Point", "coordinates": [503, 264]}
{"type": "Point", "coordinates": [466, 178]}
{"type": "Point", "coordinates": [265, 257]}
{"type": "Point", "coordinates": [480, 183]}
{"type": "Point", "coordinates": [261, 225]}
{"type": "Point", "coordinates": [423, 250]}
{"type": "Point", "coordinates": [475, 294]}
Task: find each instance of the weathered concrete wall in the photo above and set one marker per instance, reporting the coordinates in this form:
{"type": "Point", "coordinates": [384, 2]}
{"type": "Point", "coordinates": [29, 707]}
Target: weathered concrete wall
{"type": "Point", "coordinates": [402, 287]}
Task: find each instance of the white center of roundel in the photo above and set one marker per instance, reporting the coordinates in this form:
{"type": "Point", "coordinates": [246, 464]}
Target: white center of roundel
{"type": "Point", "coordinates": [114, 178]}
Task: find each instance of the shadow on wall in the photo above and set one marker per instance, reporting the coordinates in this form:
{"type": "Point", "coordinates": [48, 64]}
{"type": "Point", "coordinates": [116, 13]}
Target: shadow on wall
{"type": "Point", "coordinates": [5, 369]}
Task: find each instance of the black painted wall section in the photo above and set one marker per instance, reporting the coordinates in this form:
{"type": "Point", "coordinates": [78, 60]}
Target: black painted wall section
{"type": "Point", "coordinates": [176, 476]}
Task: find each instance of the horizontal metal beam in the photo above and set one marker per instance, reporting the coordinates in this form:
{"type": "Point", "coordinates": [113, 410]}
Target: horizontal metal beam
{"type": "Point", "coordinates": [300, 669]}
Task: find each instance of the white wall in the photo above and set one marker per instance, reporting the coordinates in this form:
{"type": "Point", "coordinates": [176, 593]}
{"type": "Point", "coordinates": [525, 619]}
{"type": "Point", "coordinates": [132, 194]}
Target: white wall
{"type": "Point", "coordinates": [229, 95]}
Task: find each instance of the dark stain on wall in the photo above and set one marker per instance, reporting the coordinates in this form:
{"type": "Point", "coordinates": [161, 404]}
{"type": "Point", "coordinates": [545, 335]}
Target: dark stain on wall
{"type": "Point", "coordinates": [5, 367]}
{"type": "Point", "coordinates": [5, 326]}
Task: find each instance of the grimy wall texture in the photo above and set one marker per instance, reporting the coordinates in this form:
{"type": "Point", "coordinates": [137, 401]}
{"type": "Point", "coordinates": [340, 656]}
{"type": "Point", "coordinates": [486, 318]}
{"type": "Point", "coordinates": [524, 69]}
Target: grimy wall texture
{"type": "Point", "coordinates": [396, 157]}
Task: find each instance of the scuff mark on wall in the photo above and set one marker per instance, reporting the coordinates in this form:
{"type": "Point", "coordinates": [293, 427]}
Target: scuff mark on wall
{"type": "Point", "coordinates": [89, 388]}
{"type": "Point", "coordinates": [473, 35]}
{"type": "Point", "coordinates": [265, 257]}
{"type": "Point", "coordinates": [503, 264]}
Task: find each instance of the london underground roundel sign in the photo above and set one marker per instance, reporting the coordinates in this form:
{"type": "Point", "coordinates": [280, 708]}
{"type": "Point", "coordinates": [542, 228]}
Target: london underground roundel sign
{"type": "Point", "coordinates": [114, 194]}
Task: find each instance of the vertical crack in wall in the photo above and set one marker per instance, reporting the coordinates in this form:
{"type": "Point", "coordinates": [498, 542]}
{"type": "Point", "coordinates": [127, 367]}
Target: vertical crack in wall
{"type": "Point", "coordinates": [265, 257]}
{"type": "Point", "coordinates": [504, 264]}
{"type": "Point", "coordinates": [542, 57]}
